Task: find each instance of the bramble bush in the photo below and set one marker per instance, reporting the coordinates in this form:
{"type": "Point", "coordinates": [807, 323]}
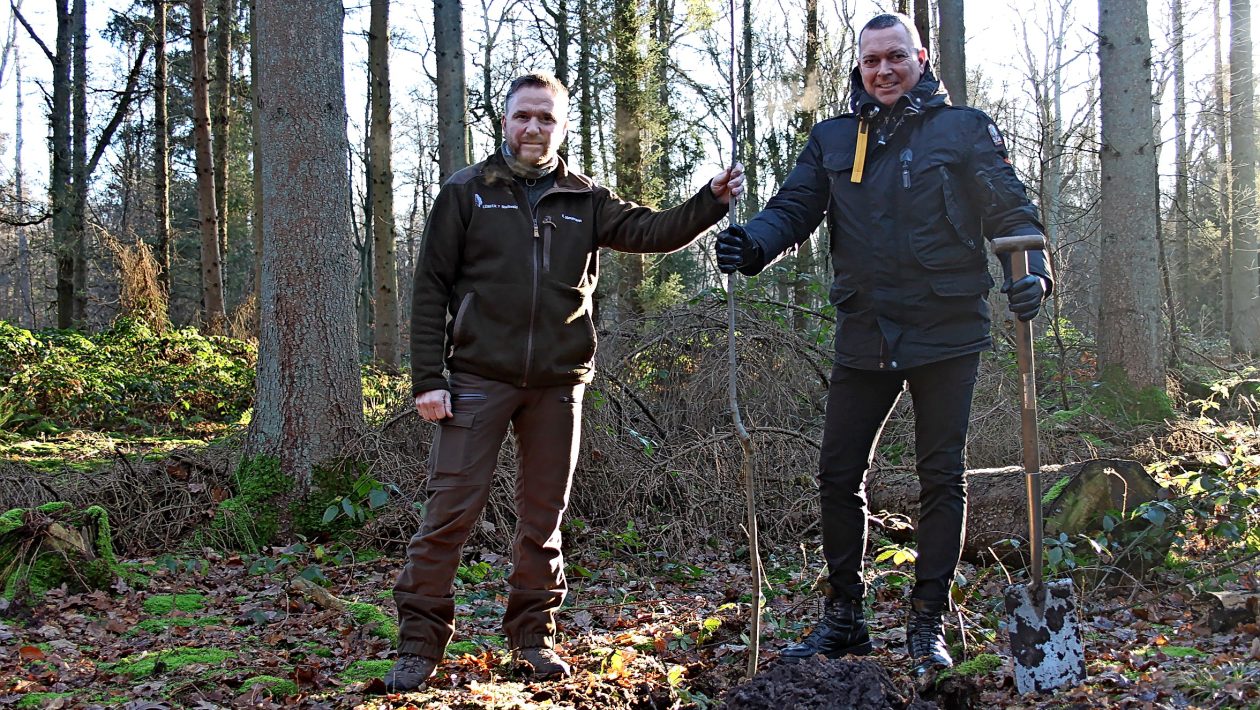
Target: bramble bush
{"type": "Point", "coordinates": [127, 378]}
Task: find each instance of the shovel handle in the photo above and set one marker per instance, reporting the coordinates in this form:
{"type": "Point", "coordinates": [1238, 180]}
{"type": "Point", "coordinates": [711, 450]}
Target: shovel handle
{"type": "Point", "coordinates": [1018, 248]}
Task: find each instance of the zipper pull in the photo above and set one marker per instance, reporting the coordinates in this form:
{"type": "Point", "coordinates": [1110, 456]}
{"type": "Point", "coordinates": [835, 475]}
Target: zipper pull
{"type": "Point", "coordinates": [535, 228]}
{"type": "Point", "coordinates": [906, 156]}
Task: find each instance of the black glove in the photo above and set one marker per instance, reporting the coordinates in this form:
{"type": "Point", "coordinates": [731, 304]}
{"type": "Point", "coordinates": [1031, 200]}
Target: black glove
{"type": "Point", "coordinates": [736, 250]}
{"type": "Point", "coordinates": [1025, 296]}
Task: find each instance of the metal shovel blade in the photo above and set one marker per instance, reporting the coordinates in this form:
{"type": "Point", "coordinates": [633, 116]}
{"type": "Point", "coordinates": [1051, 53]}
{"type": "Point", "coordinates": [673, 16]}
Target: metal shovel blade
{"type": "Point", "coordinates": [1045, 636]}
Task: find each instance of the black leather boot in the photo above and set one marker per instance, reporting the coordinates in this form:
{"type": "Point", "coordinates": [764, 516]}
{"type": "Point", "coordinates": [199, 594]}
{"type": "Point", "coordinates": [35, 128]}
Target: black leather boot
{"type": "Point", "coordinates": [842, 631]}
{"type": "Point", "coordinates": [925, 636]}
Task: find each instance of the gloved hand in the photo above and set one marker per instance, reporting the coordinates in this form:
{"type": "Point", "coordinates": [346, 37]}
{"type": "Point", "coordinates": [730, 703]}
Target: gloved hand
{"type": "Point", "coordinates": [1025, 296]}
{"type": "Point", "coordinates": [735, 249]}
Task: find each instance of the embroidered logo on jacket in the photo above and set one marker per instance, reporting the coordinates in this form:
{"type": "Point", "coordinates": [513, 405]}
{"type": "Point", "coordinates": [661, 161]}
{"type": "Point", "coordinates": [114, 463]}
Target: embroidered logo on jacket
{"type": "Point", "coordinates": [482, 204]}
{"type": "Point", "coordinates": [997, 137]}
{"type": "Point", "coordinates": [571, 218]}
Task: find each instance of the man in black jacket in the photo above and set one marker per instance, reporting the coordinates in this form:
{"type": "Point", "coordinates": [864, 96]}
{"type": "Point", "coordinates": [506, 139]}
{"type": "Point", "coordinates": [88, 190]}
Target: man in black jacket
{"type": "Point", "coordinates": [502, 334]}
{"type": "Point", "coordinates": [909, 185]}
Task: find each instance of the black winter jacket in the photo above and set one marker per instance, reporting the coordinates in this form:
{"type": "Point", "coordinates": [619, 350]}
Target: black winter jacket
{"type": "Point", "coordinates": [911, 281]}
{"type": "Point", "coordinates": [503, 290]}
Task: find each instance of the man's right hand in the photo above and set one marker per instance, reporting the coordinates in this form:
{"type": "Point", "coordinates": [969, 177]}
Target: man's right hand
{"type": "Point", "coordinates": [434, 405]}
{"type": "Point", "coordinates": [735, 249]}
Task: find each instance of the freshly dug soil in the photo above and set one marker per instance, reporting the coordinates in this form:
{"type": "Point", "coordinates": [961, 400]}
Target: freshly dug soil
{"type": "Point", "coordinates": [821, 683]}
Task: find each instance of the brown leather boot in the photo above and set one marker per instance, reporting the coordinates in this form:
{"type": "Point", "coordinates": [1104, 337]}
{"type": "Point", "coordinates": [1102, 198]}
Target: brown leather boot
{"type": "Point", "coordinates": [409, 673]}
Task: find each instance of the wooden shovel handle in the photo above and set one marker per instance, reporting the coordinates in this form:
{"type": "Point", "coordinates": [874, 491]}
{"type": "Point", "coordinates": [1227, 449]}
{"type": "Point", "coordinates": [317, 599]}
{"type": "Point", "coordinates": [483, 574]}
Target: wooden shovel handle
{"type": "Point", "coordinates": [1026, 242]}
{"type": "Point", "coordinates": [1028, 409]}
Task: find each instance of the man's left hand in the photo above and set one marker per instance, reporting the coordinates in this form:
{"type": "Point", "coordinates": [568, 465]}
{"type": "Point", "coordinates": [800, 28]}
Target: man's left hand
{"type": "Point", "coordinates": [1025, 296]}
{"type": "Point", "coordinates": [728, 184]}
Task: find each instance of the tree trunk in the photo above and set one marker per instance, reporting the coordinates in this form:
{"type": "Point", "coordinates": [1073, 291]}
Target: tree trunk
{"type": "Point", "coordinates": [385, 259]}
{"type": "Point", "coordinates": [952, 36]}
{"type": "Point", "coordinates": [24, 251]}
{"type": "Point", "coordinates": [1223, 175]}
{"type": "Point", "coordinates": [1181, 200]}
{"type": "Point", "coordinates": [61, 191]}
{"type": "Point", "coordinates": [222, 127]}
{"type": "Point", "coordinates": [1244, 339]}
{"type": "Point", "coordinates": [310, 402]}
{"type": "Point", "coordinates": [161, 149]}
{"type": "Point", "coordinates": [452, 100]}
{"type": "Point", "coordinates": [211, 272]}
{"type": "Point", "coordinates": [806, 111]}
{"type": "Point", "coordinates": [923, 23]}
{"type": "Point", "coordinates": [629, 69]}
{"type": "Point", "coordinates": [79, 171]}
{"type": "Point", "coordinates": [256, 141]}
{"type": "Point", "coordinates": [748, 117]}
{"type": "Point", "coordinates": [584, 85]}
{"type": "Point", "coordinates": [1130, 343]}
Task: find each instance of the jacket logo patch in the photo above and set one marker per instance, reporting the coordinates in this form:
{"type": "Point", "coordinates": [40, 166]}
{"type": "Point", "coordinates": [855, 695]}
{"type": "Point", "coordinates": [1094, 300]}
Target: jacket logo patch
{"type": "Point", "coordinates": [571, 218]}
{"type": "Point", "coordinates": [997, 137]}
{"type": "Point", "coordinates": [482, 204]}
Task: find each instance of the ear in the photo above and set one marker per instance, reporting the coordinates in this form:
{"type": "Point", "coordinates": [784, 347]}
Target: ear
{"type": "Point", "coordinates": [922, 58]}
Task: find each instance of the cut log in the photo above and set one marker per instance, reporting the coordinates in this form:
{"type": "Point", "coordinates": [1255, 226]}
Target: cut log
{"type": "Point", "coordinates": [1075, 498]}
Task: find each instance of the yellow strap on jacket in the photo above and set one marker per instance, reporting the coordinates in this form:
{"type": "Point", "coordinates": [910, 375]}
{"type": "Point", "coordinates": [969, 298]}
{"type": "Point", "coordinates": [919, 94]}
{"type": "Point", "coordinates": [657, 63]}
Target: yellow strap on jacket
{"type": "Point", "coordinates": [859, 158]}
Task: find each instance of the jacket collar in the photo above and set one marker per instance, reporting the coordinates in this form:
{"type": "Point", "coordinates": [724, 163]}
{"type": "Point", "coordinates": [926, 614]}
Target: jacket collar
{"type": "Point", "coordinates": [496, 171]}
{"type": "Point", "coordinates": [928, 93]}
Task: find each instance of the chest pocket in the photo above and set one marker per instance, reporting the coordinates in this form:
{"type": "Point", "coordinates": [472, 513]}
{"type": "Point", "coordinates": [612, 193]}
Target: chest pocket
{"type": "Point", "coordinates": [839, 165]}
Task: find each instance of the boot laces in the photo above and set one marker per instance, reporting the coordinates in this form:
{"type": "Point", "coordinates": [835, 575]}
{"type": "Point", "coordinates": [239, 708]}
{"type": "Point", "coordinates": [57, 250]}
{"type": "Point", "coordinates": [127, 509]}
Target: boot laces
{"type": "Point", "coordinates": [925, 630]}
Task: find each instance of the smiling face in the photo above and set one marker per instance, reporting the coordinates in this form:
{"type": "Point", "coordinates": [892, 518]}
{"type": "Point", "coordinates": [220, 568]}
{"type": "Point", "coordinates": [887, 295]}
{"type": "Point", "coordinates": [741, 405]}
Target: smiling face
{"type": "Point", "coordinates": [535, 124]}
{"type": "Point", "coordinates": [889, 62]}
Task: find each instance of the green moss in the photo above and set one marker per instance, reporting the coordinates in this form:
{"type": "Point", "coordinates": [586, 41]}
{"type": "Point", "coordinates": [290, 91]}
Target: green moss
{"type": "Point", "coordinates": [1181, 652]}
{"type": "Point", "coordinates": [983, 664]}
{"type": "Point", "coordinates": [172, 659]}
{"type": "Point", "coordinates": [250, 520]}
{"type": "Point", "coordinates": [459, 648]}
{"type": "Point", "coordinates": [1119, 401]}
{"type": "Point", "coordinates": [163, 603]}
{"type": "Point", "coordinates": [361, 671]}
{"type": "Point", "coordinates": [154, 626]}
{"type": "Point", "coordinates": [1053, 494]}
{"type": "Point", "coordinates": [44, 567]}
{"type": "Point", "coordinates": [275, 686]}
{"type": "Point", "coordinates": [39, 700]}
{"type": "Point", "coordinates": [380, 624]}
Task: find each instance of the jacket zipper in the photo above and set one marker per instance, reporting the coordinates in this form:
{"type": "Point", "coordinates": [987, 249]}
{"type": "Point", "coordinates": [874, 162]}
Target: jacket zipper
{"type": "Point", "coordinates": [533, 309]}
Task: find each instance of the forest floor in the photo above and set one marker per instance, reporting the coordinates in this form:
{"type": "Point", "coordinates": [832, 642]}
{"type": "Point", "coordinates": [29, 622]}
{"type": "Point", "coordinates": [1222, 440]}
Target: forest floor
{"type": "Point", "coordinates": [640, 631]}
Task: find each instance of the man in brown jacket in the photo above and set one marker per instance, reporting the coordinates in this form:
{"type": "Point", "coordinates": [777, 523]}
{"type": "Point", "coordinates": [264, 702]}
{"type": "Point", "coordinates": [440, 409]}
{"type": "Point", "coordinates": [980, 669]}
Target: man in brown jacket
{"type": "Point", "coordinates": [502, 301]}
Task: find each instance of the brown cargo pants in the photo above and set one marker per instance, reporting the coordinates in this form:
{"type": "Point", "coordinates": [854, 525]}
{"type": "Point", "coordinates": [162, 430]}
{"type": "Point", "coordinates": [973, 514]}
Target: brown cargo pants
{"type": "Point", "coordinates": [547, 425]}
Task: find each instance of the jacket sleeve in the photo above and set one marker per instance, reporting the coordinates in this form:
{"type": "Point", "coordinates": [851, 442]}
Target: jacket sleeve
{"type": "Point", "coordinates": [1006, 209]}
{"type": "Point", "coordinates": [626, 226]}
{"type": "Point", "coordinates": [795, 211]}
{"type": "Point", "coordinates": [436, 272]}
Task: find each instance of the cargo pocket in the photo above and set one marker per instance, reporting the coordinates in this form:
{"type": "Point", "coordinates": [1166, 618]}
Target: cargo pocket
{"type": "Point", "coordinates": [450, 455]}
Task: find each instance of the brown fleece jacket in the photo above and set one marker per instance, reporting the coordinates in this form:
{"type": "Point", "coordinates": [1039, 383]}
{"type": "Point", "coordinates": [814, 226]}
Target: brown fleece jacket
{"type": "Point", "coordinates": [517, 282]}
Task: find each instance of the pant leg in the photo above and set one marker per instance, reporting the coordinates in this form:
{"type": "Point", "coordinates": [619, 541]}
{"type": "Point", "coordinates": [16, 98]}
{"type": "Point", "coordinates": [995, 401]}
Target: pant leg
{"type": "Point", "coordinates": [942, 410]}
{"type": "Point", "coordinates": [548, 431]}
{"type": "Point", "coordinates": [461, 465]}
{"type": "Point", "coordinates": [858, 404]}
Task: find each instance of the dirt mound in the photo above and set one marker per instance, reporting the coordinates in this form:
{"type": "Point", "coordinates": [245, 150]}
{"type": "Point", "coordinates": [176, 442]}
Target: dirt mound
{"type": "Point", "coordinates": [822, 683]}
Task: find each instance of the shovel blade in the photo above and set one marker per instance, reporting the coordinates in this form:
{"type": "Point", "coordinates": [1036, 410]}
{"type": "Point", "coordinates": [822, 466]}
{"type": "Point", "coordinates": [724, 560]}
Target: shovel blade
{"type": "Point", "coordinates": [1045, 636]}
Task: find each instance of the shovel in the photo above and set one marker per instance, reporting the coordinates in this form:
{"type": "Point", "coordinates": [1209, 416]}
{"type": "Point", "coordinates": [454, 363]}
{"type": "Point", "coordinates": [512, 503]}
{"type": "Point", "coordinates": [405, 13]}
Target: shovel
{"type": "Point", "coordinates": [1042, 620]}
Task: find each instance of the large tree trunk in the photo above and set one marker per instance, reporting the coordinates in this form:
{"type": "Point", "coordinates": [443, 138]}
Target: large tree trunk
{"type": "Point", "coordinates": [1244, 339]}
{"type": "Point", "coordinates": [952, 36]}
{"type": "Point", "coordinates": [1221, 124]}
{"type": "Point", "coordinates": [1130, 343]}
{"type": "Point", "coordinates": [211, 272]}
{"type": "Point", "coordinates": [60, 189]}
{"type": "Point", "coordinates": [79, 171]}
{"type": "Point", "coordinates": [222, 126]}
{"type": "Point", "coordinates": [452, 100]}
{"type": "Point", "coordinates": [161, 149]}
{"type": "Point", "coordinates": [310, 400]}
{"type": "Point", "coordinates": [385, 260]}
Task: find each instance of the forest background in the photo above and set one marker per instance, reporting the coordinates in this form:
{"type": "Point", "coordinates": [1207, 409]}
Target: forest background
{"type": "Point", "coordinates": [210, 209]}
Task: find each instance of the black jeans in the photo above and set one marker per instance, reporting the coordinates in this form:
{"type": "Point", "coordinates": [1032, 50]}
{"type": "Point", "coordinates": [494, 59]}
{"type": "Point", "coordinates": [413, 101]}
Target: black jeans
{"type": "Point", "coordinates": [858, 405]}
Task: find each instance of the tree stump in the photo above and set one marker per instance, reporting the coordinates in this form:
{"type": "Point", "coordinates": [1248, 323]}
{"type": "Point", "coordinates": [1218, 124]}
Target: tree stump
{"type": "Point", "coordinates": [1075, 498]}
{"type": "Point", "coordinates": [54, 544]}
